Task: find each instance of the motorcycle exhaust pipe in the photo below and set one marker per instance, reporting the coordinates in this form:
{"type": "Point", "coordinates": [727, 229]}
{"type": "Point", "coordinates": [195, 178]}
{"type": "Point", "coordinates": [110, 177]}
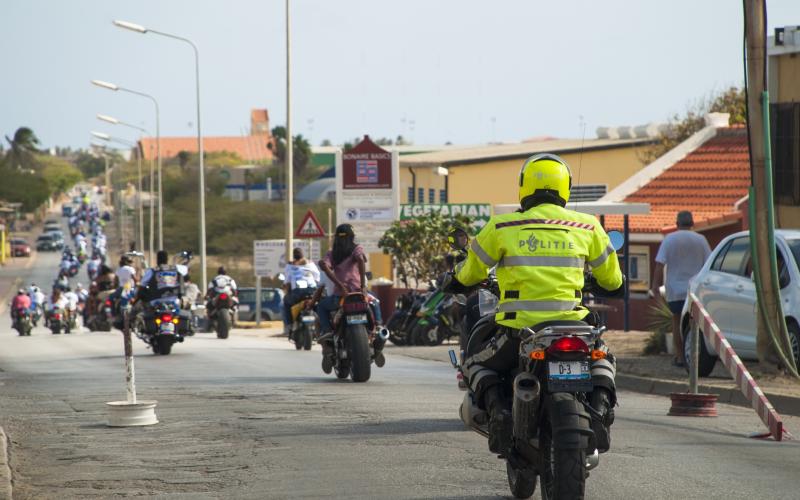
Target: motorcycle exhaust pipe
{"type": "Point", "coordinates": [525, 404]}
{"type": "Point", "coordinates": [380, 339]}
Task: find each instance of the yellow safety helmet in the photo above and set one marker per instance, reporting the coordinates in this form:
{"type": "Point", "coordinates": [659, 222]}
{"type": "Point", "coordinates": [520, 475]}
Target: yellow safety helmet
{"type": "Point", "coordinates": [545, 172]}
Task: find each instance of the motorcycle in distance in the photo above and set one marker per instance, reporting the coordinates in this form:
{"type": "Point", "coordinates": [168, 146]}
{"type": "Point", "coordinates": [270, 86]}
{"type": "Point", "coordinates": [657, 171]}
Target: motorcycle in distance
{"type": "Point", "coordinates": [304, 324]}
{"type": "Point", "coordinates": [404, 317]}
{"type": "Point", "coordinates": [355, 342]}
{"type": "Point", "coordinates": [22, 322]}
{"type": "Point", "coordinates": [438, 319]}
{"type": "Point", "coordinates": [553, 399]}
{"type": "Point", "coordinates": [222, 311]}
{"type": "Point", "coordinates": [57, 319]}
{"type": "Point", "coordinates": [162, 322]}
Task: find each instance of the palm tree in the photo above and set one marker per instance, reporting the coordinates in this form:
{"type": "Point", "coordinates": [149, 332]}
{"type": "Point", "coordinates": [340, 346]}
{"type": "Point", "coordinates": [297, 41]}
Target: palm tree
{"type": "Point", "coordinates": [23, 147]}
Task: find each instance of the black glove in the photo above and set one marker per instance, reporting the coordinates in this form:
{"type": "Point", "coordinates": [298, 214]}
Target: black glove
{"type": "Point", "coordinates": [449, 284]}
{"type": "Point", "coordinates": [594, 287]}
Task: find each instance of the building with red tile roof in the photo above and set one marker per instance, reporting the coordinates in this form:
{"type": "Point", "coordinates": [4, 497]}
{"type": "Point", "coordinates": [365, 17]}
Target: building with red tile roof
{"type": "Point", "coordinates": [253, 148]}
{"type": "Point", "coordinates": [708, 175]}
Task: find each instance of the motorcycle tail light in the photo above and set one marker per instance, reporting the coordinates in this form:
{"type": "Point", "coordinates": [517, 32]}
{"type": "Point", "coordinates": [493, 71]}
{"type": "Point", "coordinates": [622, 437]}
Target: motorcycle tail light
{"type": "Point", "coordinates": [569, 344]}
{"type": "Point", "coordinates": [598, 354]}
{"type": "Point", "coordinates": [166, 318]}
{"type": "Point", "coordinates": [223, 296]}
{"type": "Point", "coordinates": [56, 316]}
{"type": "Point", "coordinates": [108, 302]}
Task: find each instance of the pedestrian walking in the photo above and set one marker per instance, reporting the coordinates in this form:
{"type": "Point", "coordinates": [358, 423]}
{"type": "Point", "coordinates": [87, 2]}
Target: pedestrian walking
{"type": "Point", "coordinates": [682, 254]}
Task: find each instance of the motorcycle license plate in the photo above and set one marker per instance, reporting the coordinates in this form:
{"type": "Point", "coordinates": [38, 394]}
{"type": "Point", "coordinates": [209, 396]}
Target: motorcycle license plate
{"type": "Point", "coordinates": [308, 319]}
{"type": "Point", "coordinates": [357, 319]}
{"type": "Point", "coordinates": [569, 376]}
{"type": "Point", "coordinates": [166, 327]}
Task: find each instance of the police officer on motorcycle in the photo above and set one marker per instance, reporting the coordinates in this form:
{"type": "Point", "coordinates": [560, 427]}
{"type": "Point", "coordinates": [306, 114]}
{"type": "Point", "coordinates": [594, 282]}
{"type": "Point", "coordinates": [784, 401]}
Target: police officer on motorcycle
{"type": "Point", "coordinates": [539, 253]}
{"type": "Point", "coordinates": [163, 280]}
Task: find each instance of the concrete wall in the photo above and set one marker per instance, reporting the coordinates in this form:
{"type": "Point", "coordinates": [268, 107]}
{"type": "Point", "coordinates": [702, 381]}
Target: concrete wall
{"type": "Point", "coordinates": [788, 66]}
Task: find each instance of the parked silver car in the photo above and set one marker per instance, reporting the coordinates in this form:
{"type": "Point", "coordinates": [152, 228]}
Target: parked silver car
{"type": "Point", "coordinates": [725, 288]}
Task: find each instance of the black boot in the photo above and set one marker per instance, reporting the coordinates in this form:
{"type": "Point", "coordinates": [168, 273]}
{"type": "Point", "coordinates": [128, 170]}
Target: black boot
{"type": "Point", "coordinates": [327, 355]}
{"type": "Point", "coordinates": [602, 403]}
{"type": "Point", "coordinates": [501, 423]}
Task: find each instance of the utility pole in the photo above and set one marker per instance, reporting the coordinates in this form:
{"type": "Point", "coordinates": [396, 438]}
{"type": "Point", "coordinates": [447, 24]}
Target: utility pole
{"type": "Point", "coordinates": [771, 325]}
{"type": "Point", "coordinates": [289, 173]}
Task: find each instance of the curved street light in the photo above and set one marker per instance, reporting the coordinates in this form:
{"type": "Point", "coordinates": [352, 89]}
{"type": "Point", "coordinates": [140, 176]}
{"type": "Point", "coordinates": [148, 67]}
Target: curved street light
{"type": "Point", "coordinates": [115, 88]}
{"type": "Point", "coordinates": [138, 28]}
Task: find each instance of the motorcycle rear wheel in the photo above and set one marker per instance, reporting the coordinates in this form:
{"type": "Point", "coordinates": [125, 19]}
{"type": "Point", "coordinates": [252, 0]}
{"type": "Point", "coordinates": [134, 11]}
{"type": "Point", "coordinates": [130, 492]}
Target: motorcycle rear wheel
{"type": "Point", "coordinates": [306, 338]}
{"type": "Point", "coordinates": [358, 347]}
{"type": "Point", "coordinates": [162, 345]}
{"type": "Point", "coordinates": [223, 323]}
{"type": "Point", "coordinates": [565, 476]}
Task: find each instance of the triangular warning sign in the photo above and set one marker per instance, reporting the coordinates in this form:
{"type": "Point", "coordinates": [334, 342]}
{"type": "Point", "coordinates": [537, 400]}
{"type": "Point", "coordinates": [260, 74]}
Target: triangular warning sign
{"type": "Point", "coordinates": [310, 227]}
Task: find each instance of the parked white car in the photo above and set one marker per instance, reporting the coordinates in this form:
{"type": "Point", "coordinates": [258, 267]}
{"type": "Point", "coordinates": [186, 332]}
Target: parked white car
{"type": "Point", "coordinates": [725, 288]}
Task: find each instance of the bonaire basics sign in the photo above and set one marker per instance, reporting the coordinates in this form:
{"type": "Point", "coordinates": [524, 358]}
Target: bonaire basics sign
{"type": "Point", "coordinates": [479, 212]}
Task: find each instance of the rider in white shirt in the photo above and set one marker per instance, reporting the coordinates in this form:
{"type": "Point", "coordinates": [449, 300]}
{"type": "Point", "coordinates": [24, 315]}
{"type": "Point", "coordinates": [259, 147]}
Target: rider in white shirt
{"type": "Point", "coordinates": [301, 279]}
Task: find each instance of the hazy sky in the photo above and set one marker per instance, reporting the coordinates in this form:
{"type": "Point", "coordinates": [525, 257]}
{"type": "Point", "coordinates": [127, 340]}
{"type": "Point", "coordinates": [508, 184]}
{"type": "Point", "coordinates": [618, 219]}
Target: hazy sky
{"type": "Point", "coordinates": [464, 71]}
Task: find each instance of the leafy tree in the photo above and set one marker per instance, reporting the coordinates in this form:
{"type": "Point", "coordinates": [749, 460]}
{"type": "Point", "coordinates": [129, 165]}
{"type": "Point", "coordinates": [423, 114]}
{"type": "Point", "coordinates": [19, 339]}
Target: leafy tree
{"type": "Point", "coordinates": [59, 174]}
{"type": "Point", "coordinates": [384, 141]}
{"type": "Point", "coordinates": [731, 100]}
{"type": "Point", "coordinates": [23, 145]}
{"type": "Point", "coordinates": [183, 159]}
{"type": "Point", "coordinates": [301, 150]}
{"type": "Point", "coordinates": [91, 165]}
{"type": "Point", "coordinates": [418, 246]}
{"type": "Point", "coordinates": [326, 142]}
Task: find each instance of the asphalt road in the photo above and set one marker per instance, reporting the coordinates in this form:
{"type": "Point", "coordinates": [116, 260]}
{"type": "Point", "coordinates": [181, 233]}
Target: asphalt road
{"type": "Point", "coordinates": [249, 417]}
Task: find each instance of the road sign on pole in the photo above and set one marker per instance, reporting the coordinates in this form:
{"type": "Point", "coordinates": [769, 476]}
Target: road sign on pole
{"type": "Point", "coordinates": [310, 227]}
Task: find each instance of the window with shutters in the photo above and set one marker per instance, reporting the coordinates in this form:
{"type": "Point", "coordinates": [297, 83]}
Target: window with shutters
{"type": "Point", "coordinates": [421, 195]}
{"type": "Point", "coordinates": [431, 196]}
{"type": "Point", "coordinates": [442, 196]}
{"type": "Point", "coordinates": [587, 192]}
{"type": "Point", "coordinates": [785, 132]}
{"type": "Point", "coordinates": [411, 195]}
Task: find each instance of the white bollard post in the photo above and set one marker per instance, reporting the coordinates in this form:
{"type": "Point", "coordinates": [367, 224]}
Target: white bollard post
{"type": "Point", "coordinates": [258, 301]}
{"type": "Point", "coordinates": [695, 333]}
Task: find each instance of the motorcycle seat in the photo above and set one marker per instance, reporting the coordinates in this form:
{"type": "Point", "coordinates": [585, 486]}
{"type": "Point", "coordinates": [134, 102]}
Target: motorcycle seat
{"type": "Point", "coordinates": [559, 322]}
{"type": "Point", "coordinates": [484, 329]}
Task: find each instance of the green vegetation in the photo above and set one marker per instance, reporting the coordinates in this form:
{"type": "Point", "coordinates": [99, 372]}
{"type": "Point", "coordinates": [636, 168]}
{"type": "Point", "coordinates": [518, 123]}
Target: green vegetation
{"type": "Point", "coordinates": [31, 177]}
{"type": "Point", "coordinates": [731, 100]}
{"type": "Point", "coordinates": [660, 322]}
{"type": "Point", "coordinates": [418, 246]}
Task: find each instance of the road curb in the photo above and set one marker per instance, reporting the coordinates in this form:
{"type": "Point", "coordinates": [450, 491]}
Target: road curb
{"type": "Point", "coordinates": [785, 405]}
{"type": "Point", "coordinates": [5, 471]}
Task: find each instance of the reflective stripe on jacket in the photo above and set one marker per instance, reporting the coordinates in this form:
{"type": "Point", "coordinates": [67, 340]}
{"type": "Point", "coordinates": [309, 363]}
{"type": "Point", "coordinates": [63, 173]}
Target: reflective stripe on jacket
{"type": "Point", "coordinates": [540, 256]}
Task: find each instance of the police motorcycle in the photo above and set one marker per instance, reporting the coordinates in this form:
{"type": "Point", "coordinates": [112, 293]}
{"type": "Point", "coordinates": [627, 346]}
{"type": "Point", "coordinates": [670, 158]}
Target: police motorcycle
{"type": "Point", "coordinates": [552, 398]}
{"type": "Point", "coordinates": [58, 320]}
{"type": "Point", "coordinates": [160, 319]}
{"type": "Point", "coordinates": [356, 340]}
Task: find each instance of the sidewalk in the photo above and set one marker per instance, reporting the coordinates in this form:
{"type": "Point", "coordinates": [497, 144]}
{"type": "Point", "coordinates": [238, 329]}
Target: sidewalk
{"type": "Point", "coordinates": [655, 374]}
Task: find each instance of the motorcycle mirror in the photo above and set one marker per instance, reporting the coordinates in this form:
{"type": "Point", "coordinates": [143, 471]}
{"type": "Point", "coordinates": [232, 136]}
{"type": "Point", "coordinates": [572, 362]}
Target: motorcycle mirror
{"type": "Point", "coordinates": [617, 239]}
{"type": "Point", "coordinates": [458, 238]}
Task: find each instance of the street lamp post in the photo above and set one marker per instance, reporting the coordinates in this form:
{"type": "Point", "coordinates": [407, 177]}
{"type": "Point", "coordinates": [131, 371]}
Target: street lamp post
{"type": "Point", "coordinates": [201, 174]}
{"type": "Point", "coordinates": [139, 154]}
{"type": "Point", "coordinates": [114, 87]}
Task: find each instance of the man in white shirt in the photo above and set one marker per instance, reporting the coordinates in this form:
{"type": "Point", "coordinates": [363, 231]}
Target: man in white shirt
{"type": "Point", "coordinates": [683, 254]}
{"type": "Point", "coordinates": [301, 279]}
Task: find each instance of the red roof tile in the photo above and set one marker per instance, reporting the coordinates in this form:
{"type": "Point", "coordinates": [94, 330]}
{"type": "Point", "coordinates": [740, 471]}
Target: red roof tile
{"type": "Point", "coordinates": [249, 148]}
{"type": "Point", "coordinates": [707, 182]}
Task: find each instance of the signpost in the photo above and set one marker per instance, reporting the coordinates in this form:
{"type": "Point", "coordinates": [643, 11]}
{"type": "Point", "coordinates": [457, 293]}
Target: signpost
{"type": "Point", "coordinates": [269, 260]}
{"type": "Point", "coordinates": [310, 227]}
{"type": "Point", "coordinates": [367, 191]}
{"type": "Point", "coordinates": [479, 212]}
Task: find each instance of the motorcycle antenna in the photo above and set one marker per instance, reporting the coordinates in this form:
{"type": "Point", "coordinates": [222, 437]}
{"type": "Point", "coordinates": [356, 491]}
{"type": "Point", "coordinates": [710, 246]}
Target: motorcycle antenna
{"type": "Point", "coordinates": [582, 125]}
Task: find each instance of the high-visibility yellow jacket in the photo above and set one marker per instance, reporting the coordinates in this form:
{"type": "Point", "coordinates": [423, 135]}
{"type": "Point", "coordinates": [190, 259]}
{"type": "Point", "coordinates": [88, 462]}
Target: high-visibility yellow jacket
{"type": "Point", "coordinates": [540, 256]}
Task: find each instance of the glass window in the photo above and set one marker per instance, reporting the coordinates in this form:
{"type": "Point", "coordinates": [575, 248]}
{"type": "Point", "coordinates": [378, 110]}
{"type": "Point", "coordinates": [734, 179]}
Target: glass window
{"type": "Point", "coordinates": [794, 246]}
{"type": "Point", "coordinates": [411, 195]}
{"type": "Point", "coordinates": [442, 196]}
{"type": "Point", "coordinates": [267, 295]}
{"type": "Point", "coordinates": [736, 256]}
{"type": "Point", "coordinates": [431, 196]}
{"type": "Point", "coordinates": [783, 270]}
{"type": "Point", "coordinates": [247, 296]}
{"type": "Point", "coordinates": [421, 195]}
{"type": "Point", "coordinates": [718, 259]}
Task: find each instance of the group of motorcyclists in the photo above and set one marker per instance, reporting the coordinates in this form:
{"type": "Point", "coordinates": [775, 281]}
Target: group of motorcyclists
{"type": "Point", "coordinates": [539, 379]}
